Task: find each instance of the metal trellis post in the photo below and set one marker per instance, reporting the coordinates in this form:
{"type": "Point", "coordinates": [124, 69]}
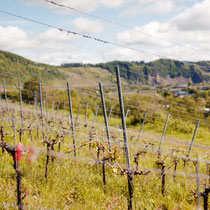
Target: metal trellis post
{"type": "Point", "coordinates": [71, 118]}
{"type": "Point", "coordinates": [130, 177]}
{"type": "Point", "coordinates": [41, 106]}
{"type": "Point", "coordinates": [21, 106]}
{"type": "Point", "coordinates": [105, 115]}
{"type": "Point", "coordinates": [193, 138]}
{"type": "Point", "coordinates": [161, 141]}
{"type": "Point", "coordinates": [140, 131]}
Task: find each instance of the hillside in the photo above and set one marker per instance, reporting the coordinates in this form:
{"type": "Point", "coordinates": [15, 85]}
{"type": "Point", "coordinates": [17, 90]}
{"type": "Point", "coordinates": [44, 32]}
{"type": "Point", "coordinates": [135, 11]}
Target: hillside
{"type": "Point", "coordinates": [159, 72]}
{"type": "Point", "coordinates": [162, 71]}
{"type": "Point", "coordinates": [14, 67]}
{"type": "Point", "coordinates": [54, 169]}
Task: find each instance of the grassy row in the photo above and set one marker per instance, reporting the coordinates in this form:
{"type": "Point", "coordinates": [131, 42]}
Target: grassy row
{"type": "Point", "coordinates": [74, 184]}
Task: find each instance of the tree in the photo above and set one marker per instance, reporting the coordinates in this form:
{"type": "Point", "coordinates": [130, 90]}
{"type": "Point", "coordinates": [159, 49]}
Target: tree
{"type": "Point", "coordinates": [29, 88]}
{"type": "Point", "coordinates": [167, 93]}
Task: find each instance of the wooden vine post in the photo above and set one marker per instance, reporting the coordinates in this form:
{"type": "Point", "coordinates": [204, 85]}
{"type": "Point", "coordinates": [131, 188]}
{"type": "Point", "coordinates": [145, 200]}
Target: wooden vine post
{"type": "Point", "coordinates": [57, 108]}
{"type": "Point", "coordinates": [175, 168]}
{"type": "Point", "coordinates": [206, 192]}
{"type": "Point", "coordinates": [2, 136]}
{"type": "Point", "coordinates": [198, 183]}
{"type": "Point", "coordinates": [86, 114]}
{"type": "Point", "coordinates": [16, 153]}
{"type": "Point", "coordinates": [104, 171]}
{"type": "Point", "coordinates": [161, 165]}
{"type": "Point", "coordinates": [163, 175]}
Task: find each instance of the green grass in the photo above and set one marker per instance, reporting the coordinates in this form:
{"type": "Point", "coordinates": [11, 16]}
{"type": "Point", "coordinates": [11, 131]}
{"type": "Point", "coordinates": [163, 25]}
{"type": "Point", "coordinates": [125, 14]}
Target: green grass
{"type": "Point", "coordinates": [75, 184]}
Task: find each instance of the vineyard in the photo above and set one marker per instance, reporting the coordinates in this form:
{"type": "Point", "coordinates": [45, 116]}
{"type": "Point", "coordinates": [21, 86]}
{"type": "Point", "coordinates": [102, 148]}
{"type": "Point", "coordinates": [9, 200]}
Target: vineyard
{"type": "Point", "coordinates": [85, 157]}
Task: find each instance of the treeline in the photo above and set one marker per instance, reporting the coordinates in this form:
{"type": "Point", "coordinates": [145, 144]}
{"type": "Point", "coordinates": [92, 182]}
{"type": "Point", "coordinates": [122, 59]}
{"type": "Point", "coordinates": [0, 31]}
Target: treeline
{"type": "Point", "coordinates": [141, 72]}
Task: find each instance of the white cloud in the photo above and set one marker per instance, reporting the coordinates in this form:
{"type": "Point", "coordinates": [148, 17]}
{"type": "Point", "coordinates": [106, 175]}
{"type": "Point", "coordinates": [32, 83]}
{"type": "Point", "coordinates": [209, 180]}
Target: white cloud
{"type": "Point", "coordinates": [135, 37]}
{"type": "Point", "coordinates": [114, 3]}
{"type": "Point", "coordinates": [55, 47]}
{"type": "Point", "coordinates": [151, 7]}
{"type": "Point", "coordinates": [84, 5]}
{"type": "Point", "coordinates": [173, 52]}
{"type": "Point", "coordinates": [39, 2]}
{"type": "Point", "coordinates": [84, 25]}
{"type": "Point", "coordinates": [12, 22]}
{"type": "Point", "coordinates": [195, 18]}
{"type": "Point", "coordinates": [56, 39]}
{"type": "Point", "coordinates": [57, 58]}
{"type": "Point", "coordinates": [123, 54]}
{"type": "Point", "coordinates": [51, 46]}
{"type": "Point", "coordinates": [13, 38]}
{"type": "Point", "coordinates": [190, 28]}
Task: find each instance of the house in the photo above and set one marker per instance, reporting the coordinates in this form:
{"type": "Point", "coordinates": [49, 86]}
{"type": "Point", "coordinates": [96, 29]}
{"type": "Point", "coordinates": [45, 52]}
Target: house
{"type": "Point", "coordinates": [205, 88]}
{"type": "Point", "coordinates": [175, 90]}
{"type": "Point", "coordinates": [182, 86]}
{"type": "Point", "coordinates": [182, 94]}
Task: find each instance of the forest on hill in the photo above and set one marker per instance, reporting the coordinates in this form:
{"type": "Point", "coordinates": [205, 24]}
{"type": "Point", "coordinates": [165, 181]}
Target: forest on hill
{"type": "Point", "coordinates": [144, 73]}
{"type": "Point", "coordinates": [159, 72]}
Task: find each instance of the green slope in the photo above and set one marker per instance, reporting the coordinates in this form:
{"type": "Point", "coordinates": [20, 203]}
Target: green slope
{"type": "Point", "coordinates": [160, 72]}
{"type": "Point", "coordinates": [14, 67]}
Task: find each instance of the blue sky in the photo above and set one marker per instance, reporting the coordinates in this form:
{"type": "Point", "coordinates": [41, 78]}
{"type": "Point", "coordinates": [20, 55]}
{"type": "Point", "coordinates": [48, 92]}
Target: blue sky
{"type": "Point", "coordinates": [181, 22]}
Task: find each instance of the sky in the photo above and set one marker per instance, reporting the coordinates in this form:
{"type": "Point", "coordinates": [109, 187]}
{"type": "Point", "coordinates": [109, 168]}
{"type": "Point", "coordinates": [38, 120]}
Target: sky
{"type": "Point", "coordinates": [136, 30]}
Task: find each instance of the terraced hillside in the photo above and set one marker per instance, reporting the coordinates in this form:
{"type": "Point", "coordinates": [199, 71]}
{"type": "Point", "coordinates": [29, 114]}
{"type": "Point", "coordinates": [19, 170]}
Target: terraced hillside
{"type": "Point", "coordinates": [160, 72]}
